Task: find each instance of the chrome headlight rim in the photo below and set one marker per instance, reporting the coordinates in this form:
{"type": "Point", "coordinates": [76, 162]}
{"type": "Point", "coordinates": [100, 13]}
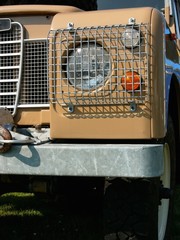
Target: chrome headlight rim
{"type": "Point", "coordinates": [131, 37]}
{"type": "Point", "coordinates": [99, 75]}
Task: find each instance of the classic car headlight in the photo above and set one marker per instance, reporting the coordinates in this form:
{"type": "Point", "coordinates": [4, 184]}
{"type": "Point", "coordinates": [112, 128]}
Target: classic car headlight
{"type": "Point", "coordinates": [131, 37]}
{"type": "Point", "coordinates": [88, 66]}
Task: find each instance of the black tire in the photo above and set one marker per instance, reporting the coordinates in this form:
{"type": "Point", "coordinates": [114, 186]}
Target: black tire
{"type": "Point", "coordinates": [85, 5]}
{"type": "Point", "coordinates": [131, 207]}
{"type": "Point", "coordinates": [170, 140]}
{"type": "Point", "coordinates": [127, 207]}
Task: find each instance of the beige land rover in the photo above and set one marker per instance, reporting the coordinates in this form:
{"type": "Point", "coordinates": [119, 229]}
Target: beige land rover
{"type": "Point", "coordinates": [92, 90]}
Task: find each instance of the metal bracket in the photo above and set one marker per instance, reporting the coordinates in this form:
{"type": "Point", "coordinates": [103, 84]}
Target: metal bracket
{"type": "Point", "coordinates": [36, 138]}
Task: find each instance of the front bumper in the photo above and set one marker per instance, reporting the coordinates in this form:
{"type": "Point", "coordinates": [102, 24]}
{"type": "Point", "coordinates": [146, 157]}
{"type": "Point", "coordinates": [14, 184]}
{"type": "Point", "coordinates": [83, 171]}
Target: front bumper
{"type": "Point", "coordinates": [109, 160]}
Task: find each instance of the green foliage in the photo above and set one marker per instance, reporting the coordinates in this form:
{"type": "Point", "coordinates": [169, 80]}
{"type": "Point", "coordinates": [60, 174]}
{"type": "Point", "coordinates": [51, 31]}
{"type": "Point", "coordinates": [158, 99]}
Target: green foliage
{"type": "Point", "coordinates": [18, 204]}
{"type": "Point", "coordinates": [25, 216]}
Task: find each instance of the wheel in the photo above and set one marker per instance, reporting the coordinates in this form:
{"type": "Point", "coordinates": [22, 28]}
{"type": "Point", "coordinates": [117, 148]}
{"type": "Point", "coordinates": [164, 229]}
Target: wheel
{"type": "Point", "coordinates": [141, 209]}
{"type": "Point", "coordinates": [85, 5]}
{"type": "Point", "coordinates": [168, 182]}
{"type": "Point", "coordinates": [127, 207]}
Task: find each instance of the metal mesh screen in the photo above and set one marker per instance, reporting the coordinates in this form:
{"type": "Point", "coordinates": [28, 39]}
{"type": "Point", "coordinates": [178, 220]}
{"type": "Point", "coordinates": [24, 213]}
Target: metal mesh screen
{"type": "Point", "coordinates": [68, 47]}
{"type": "Point", "coordinates": [34, 78]}
{"type": "Point", "coordinates": [23, 70]}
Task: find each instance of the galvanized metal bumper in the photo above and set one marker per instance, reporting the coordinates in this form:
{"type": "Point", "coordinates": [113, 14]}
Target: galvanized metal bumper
{"type": "Point", "coordinates": [110, 160]}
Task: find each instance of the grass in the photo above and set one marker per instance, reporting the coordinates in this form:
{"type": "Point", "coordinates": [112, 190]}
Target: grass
{"type": "Point", "coordinates": [26, 216]}
{"type": "Point", "coordinates": [15, 204]}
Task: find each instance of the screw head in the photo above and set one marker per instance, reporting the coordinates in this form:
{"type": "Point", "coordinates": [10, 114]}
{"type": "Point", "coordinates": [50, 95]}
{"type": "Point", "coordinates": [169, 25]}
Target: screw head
{"type": "Point", "coordinates": [132, 20]}
{"type": "Point", "coordinates": [70, 25]}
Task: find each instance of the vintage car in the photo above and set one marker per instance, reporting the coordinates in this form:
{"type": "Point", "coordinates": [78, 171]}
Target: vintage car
{"type": "Point", "coordinates": [96, 95]}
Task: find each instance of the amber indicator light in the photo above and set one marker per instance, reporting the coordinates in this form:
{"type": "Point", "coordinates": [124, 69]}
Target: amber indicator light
{"type": "Point", "coordinates": [131, 81]}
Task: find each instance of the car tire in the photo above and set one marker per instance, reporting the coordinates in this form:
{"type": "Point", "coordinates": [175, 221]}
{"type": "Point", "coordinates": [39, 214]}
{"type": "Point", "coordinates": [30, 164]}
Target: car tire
{"type": "Point", "coordinates": [142, 209]}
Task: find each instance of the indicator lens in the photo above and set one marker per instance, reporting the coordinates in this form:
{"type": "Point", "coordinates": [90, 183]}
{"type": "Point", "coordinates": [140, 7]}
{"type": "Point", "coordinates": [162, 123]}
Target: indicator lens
{"type": "Point", "coordinates": [131, 81]}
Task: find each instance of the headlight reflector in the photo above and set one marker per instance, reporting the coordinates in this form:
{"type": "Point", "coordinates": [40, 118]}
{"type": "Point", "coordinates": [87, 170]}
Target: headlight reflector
{"type": "Point", "coordinates": [88, 66]}
{"type": "Point", "coordinates": [131, 38]}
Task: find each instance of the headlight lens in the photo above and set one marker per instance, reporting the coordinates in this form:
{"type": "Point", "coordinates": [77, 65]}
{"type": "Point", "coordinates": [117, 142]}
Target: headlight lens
{"type": "Point", "coordinates": [131, 37]}
{"type": "Point", "coordinates": [88, 66]}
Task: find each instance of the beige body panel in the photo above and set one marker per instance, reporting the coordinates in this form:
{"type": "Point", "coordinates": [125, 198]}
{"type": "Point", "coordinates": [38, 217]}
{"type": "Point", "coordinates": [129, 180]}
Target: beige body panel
{"type": "Point", "coordinates": [32, 117]}
{"type": "Point", "coordinates": [101, 18]}
{"type": "Point", "coordinates": [102, 122]}
{"type": "Point", "coordinates": [158, 128]}
{"type": "Point", "coordinates": [89, 123]}
{"type": "Point", "coordinates": [36, 20]}
{"type": "Point", "coordinates": [101, 129]}
{"type": "Point", "coordinates": [35, 27]}
{"type": "Point", "coordinates": [147, 121]}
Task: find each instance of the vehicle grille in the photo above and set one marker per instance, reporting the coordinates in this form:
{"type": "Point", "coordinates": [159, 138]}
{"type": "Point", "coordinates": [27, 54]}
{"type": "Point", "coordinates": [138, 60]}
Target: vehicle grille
{"type": "Point", "coordinates": [11, 48]}
{"type": "Point", "coordinates": [63, 42]}
{"type": "Point", "coordinates": [34, 77]}
{"type": "Point", "coordinates": [23, 70]}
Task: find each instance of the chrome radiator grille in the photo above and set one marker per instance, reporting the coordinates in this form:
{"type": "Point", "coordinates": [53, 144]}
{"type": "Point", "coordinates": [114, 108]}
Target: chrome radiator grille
{"type": "Point", "coordinates": [23, 70]}
{"type": "Point", "coordinates": [11, 48]}
{"type": "Point", "coordinates": [65, 90]}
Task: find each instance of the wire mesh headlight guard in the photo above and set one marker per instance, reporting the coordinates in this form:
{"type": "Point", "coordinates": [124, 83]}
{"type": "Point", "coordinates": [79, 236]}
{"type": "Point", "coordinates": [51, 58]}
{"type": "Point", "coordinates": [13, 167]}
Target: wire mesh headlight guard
{"type": "Point", "coordinates": [66, 83]}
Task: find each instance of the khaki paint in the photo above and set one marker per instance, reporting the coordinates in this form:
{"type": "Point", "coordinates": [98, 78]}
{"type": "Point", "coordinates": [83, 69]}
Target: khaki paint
{"type": "Point", "coordinates": [101, 18]}
{"type": "Point", "coordinates": [85, 125]}
{"type": "Point", "coordinates": [147, 122]}
{"type": "Point", "coordinates": [113, 124]}
{"type": "Point", "coordinates": [157, 70]}
{"type": "Point", "coordinates": [36, 20]}
{"type": "Point", "coordinates": [32, 117]}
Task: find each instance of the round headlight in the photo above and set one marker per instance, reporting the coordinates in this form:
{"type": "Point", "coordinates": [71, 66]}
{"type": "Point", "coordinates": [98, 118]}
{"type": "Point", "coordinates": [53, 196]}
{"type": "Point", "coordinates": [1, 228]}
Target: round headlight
{"type": "Point", "coordinates": [88, 66]}
{"type": "Point", "coordinates": [130, 37]}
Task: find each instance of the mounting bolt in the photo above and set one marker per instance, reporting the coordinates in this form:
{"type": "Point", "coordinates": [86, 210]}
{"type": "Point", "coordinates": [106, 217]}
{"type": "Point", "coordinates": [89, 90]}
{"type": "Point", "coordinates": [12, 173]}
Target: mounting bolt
{"type": "Point", "coordinates": [70, 26]}
{"type": "Point", "coordinates": [132, 20]}
{"type": "Point", "coordinates": [70, 108]}
{"type": "Point", "coordinates": [133, 106]}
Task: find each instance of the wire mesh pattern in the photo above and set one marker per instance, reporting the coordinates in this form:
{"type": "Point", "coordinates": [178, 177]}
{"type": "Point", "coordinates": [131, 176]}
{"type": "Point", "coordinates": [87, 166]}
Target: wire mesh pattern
{"type": "Point", "coordinates": [11, 47]}
{"type": "Point", "coordinates": [23, 70]}
{"type": "Point", "coordinates": [89, 66]}
{"type": "Point", "coordinates": [34, 85]}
